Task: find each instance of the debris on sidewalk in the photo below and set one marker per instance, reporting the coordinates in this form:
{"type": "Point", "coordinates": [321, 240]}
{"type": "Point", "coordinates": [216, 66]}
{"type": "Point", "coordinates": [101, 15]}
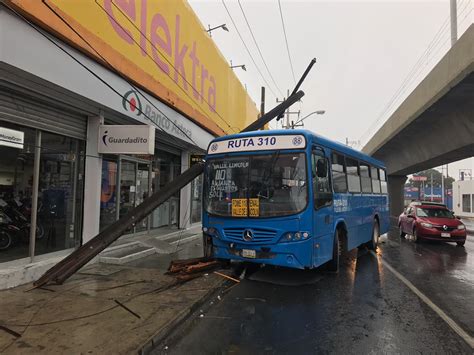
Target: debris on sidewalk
{"type": "Point", "coordinates": [184, 269]}
{"type": "Point", "coordinates": [227, 276]}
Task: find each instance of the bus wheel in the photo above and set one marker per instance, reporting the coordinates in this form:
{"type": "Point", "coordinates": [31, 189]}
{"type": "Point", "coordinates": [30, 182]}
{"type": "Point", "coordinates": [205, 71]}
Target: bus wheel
{"type": "Point", "coordinates": [333, 265]}
{"type": "Point", "coordinates": [375, 236]}
{"type": "Point", "coordinates": [207, 246]}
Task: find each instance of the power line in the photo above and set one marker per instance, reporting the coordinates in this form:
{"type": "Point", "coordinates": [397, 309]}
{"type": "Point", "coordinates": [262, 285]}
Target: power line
{"type": "Point", "coordinates": [286, 41]}
{"type": "Point", "coordinates": [90, 70]}
{"type": "Point", "coordinates": [247, 49]}
{"type": "Point", "coordinates": [121, 75]}
{"type": "Point", "coordinates": [165, 58]}
{"type": "Point", "coordinates": [415, 71]}
{"type": "Point", "coordinates": [258, 48]}
{"type": "Point", "coordinates": [411, 74]}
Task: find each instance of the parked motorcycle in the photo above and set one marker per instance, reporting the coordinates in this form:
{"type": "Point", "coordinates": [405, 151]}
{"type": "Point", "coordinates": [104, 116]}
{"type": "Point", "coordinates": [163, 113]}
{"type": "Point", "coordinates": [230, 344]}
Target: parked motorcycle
{"type": "Point", "coordinates": [12, 209]}
{"type": "Point", "coordinates": [8, 232]}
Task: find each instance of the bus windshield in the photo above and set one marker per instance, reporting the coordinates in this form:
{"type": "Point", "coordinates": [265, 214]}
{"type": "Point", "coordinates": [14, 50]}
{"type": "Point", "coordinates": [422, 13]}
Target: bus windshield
{"type": "Point", "coordinates": [266, 185]}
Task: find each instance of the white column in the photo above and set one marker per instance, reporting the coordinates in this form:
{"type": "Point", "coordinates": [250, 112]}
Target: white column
{"type": "Point", "coordinates": [185, 196]}
{"type": "Point", "coordinates": [92, 180]}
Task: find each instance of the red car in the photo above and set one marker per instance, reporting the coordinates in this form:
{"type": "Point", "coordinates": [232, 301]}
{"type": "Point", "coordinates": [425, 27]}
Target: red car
{"type": "Point", "coordinates": [431, 221]}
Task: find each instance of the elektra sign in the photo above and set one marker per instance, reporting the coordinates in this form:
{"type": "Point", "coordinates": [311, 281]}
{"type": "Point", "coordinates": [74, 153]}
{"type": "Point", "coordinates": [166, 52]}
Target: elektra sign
{"type": "Point", "coordinates": [136, 139]}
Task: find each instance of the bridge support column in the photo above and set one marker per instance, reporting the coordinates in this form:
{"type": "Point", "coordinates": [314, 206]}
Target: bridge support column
{"type": "Point", "coordinates": [396, 183]}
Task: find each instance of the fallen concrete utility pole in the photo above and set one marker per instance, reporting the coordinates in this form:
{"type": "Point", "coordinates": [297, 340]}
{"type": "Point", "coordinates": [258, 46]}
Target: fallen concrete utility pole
{"type": "Point", "coordinates": [80, 257]}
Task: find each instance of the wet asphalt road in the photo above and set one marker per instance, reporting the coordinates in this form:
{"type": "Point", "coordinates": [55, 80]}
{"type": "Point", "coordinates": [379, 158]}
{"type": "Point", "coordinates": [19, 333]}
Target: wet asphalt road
{"type": "Point", "coordinates": [363, 309]}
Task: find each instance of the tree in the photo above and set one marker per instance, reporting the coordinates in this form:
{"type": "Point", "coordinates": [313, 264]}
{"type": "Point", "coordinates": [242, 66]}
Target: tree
{"type": "Point", "coordinates": [448, 181]}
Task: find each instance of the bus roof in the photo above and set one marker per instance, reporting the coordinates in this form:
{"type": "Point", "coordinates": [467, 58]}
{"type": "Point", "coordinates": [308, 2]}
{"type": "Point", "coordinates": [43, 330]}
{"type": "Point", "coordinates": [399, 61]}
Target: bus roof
{"type": "Point", "coordinates": [312, 138]}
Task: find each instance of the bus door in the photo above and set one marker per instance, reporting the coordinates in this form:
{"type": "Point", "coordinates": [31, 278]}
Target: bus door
{"type": "Point", "coordinates": [323, 210]}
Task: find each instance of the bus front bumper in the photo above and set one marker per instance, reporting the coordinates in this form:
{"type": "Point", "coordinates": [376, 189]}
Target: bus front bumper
{"type": "Point", "coordinates": [295, 254]}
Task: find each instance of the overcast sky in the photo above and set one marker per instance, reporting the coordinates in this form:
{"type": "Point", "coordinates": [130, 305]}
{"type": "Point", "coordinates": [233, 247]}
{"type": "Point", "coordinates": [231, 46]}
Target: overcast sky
{"type": "Point", "coordinates": [364, 51]}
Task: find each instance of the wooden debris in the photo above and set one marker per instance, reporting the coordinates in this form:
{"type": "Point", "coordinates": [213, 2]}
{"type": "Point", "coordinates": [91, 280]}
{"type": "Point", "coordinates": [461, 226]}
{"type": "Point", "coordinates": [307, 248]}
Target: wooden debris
{"type": "Point", "coordinates": [227, 277]}
{"type": "Point", "coordinates": [185, 270]}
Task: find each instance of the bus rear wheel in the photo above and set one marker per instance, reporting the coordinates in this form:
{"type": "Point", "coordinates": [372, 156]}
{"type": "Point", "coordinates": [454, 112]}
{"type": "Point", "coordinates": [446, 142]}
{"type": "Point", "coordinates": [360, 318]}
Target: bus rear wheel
{"type": "Point", "coordinates": [375, 236]}
{"type": "Point", "coordinates": [333, 265]}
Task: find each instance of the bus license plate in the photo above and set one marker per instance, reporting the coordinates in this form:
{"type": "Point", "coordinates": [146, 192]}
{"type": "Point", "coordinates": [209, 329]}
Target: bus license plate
{"type": "Point", "coordinates": [445, 235]}
{"type": "Point", "coordinates": [247, 253]}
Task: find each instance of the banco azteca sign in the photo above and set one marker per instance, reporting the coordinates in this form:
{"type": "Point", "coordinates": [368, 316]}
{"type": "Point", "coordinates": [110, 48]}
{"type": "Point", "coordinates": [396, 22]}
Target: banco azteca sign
{"type": "Point", "coordinates": [132, 103]}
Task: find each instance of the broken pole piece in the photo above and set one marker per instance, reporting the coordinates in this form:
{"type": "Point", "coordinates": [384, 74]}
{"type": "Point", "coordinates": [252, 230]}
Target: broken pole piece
{"type": "Point", "coordinates": [227, 277]}
{"type": "Point", "coordinates": [201, 267]}
{"type": "Point", "coordinates": [80, 257]}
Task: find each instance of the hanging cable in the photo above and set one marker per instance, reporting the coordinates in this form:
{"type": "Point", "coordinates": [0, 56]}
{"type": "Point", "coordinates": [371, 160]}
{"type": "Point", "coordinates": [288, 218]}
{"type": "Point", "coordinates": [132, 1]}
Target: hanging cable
{"type": "Point", "coordinates": [413, 73]}
{"type": "Point", "coordinates": [433, 48]}
{"type": "Point", "coordinates": [247, 49]}
{"type": "Point", "coordinates": [259, 51]}
{"type": "Point", "coordinates": [164, 57]}
{"type": "Point", "coordinates": [286, 42]}
{"type": "Point", "coordinates": [120, 74]}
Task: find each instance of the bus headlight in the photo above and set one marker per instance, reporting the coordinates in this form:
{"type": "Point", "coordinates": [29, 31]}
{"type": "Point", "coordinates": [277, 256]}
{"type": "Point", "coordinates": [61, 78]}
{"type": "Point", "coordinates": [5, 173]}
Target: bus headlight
{"type": "Point", "coordinates": [213, 232]}
{"type": "Point", "coordinates": [294, 236]}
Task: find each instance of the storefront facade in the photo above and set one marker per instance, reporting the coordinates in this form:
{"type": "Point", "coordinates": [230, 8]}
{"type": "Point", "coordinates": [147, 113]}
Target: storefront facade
{"type": "Point", "coordinates": [56, 190]}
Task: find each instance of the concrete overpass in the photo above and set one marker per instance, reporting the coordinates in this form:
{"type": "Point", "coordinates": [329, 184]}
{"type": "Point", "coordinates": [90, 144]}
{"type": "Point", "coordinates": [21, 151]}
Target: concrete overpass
{"type": "Point", "coordinates": [434, 125]}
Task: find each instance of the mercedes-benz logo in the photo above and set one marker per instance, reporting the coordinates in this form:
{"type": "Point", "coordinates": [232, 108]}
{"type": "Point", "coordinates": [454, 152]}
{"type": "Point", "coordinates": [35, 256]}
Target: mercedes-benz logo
{"type": "Point", "coordinates": [445, 227]}
{"type": "Point", "coordinates": [248, 236]}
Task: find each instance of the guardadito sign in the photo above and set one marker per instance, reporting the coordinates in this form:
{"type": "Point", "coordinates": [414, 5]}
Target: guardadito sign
{"type": "Point", "coordinates": [131, 139]}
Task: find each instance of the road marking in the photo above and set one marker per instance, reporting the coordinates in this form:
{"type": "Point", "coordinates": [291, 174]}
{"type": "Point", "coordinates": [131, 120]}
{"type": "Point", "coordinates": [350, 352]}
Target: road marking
{"type": "Point", "coordinates": [454, 326]}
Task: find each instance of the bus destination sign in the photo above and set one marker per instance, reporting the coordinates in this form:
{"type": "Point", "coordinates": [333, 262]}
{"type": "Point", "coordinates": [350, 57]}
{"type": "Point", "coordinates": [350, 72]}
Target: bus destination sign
{"type": "Point", "coordinates": [249, 144]}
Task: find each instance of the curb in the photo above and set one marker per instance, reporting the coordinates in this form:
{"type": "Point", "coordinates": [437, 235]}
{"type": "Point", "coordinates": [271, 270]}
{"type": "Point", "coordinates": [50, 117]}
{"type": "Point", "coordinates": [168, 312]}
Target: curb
{"type": "Point", "coordinates": [180, 319]}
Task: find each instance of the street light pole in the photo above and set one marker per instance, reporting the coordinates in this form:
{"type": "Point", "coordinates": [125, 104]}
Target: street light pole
{"type": "Point", "coordinates": [454, 21]}
{"type": "Point", "coordinates": [318, 112]}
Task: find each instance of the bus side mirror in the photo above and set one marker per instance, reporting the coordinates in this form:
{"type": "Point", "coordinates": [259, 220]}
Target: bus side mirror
{"type": "Point", "coordinates": [321, 168]}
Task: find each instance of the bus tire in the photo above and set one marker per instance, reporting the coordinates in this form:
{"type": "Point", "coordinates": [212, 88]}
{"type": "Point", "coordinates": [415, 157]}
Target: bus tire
{"type": "Point", "coordinates": [333, 265]}
{"type": "Point", "coordinates": [374, 241]}
{"type": "Point", "coordinates": [208, 250]}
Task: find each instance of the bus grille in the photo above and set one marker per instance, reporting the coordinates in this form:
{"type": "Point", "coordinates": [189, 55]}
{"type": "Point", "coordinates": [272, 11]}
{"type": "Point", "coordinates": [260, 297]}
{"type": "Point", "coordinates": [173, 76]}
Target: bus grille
{"type": "Point", "coordinates": [260, 235]}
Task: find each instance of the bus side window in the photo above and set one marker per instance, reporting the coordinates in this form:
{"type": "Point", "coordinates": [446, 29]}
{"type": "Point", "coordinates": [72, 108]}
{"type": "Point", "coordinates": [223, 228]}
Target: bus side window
{"type": "Point", "coordinates": [365, 177]}
{"type": "Point", "coordinates": [339, 173]}
{"type": "Point", "coordinates": [383, 181]}
{"type": "Point", "coordinates": [353, 178]}
{"type": "Point", "coordinates": [374, 174]}
{"type": "Point", "coordinates": [322, 189]}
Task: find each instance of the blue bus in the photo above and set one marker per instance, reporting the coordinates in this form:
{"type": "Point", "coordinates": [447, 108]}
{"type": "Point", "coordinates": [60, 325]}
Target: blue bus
{"type": "Point", "coordinates": [290, 198]}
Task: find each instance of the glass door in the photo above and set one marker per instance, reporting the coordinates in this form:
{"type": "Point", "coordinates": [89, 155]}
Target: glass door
{"type": "Point", "coordinates": [128, 186]}
{"type": "Point", "coordinates": [142, 191]}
